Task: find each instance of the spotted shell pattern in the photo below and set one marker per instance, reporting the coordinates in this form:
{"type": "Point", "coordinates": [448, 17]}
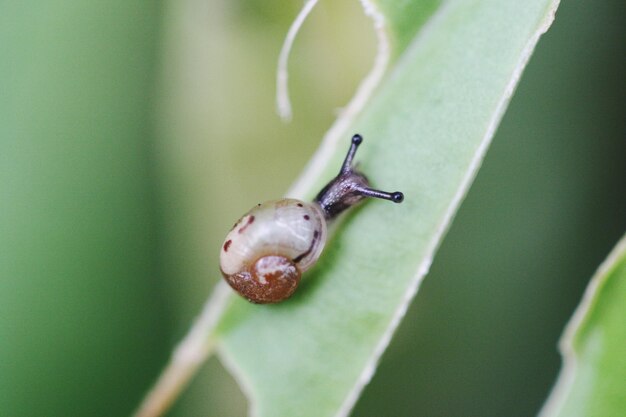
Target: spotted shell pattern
{"type": "Point", "coordinates": [269, 248]}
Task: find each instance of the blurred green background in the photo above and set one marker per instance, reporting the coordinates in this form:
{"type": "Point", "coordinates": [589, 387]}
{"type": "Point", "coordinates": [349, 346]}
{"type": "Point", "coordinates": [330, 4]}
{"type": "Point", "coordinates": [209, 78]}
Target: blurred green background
{"type": "Point", "coordinates": [133, 133]}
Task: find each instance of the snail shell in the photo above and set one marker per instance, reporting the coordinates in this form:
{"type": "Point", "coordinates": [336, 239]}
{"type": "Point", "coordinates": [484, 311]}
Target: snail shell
{"type": "Point", "coordinates": [268, 249]}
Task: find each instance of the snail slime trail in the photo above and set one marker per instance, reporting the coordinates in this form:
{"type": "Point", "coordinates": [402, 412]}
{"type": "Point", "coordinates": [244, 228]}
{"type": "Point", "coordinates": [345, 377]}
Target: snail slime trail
{"type": "Point", "coordinates": [267, 251]}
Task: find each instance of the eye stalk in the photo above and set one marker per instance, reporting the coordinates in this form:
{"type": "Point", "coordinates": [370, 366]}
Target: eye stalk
{"type": "Point", "coordinates": [350, 186]}
{"type": "Point", "coordinates": [267, 251]}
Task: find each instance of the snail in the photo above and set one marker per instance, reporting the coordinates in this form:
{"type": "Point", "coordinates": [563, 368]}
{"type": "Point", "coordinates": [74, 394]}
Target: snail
{"type": "Point", "coordinates": [267, 250]}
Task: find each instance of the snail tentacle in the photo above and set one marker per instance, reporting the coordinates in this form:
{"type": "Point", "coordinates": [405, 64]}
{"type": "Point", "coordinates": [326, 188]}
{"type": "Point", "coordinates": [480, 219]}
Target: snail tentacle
{"type": "Point", "coordinates": [267, 250]}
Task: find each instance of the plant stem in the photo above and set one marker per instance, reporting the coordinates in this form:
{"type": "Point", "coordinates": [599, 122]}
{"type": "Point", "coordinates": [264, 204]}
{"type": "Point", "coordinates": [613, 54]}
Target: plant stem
{"type": "Point", "coordinates": [188, 356]}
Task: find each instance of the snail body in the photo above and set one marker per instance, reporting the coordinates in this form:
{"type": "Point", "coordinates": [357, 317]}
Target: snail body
{"type": "Point", "coordinates": [267, 251]}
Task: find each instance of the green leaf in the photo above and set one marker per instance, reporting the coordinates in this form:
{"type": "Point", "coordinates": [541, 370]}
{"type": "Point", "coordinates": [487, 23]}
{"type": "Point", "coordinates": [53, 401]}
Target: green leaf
{"type": "Point", "coordinates": [77, 216]}
{"type": "Point", "coordinates": [426, 129]}
{"type": "Point", "coordinates": [592, 381]}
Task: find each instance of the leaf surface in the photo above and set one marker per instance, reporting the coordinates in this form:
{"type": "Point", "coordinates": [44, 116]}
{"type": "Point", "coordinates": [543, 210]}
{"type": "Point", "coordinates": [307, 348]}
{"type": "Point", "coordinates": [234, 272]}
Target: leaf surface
{"type": "Point", "coordinates": [453, 68]}
{"type": "Point", "coordinates": [592, 381]}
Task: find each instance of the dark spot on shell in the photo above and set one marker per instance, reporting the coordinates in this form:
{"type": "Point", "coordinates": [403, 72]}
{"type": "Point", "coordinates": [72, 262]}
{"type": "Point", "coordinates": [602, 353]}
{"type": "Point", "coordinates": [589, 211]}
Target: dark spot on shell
{"type": "Point", "coordinates": [258, 205]}
{"type": "Point", "coordinates": [299, 205]}
{"type": "Point", "coordinates": [306, 217]}
{"type": "Point", "coordinates": [227, 245]}
{"type": "Point", "coordinates": [303, 255]}
{"type": "Point", "coordinates": [248, 223]}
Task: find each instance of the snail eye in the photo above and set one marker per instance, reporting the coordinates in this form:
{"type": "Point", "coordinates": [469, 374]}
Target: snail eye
{"type": "Point", "coordinates": [267, 250]}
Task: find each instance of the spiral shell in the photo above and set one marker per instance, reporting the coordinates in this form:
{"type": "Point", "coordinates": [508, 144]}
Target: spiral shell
{"type": "Point", "coordinates": [268, 249]}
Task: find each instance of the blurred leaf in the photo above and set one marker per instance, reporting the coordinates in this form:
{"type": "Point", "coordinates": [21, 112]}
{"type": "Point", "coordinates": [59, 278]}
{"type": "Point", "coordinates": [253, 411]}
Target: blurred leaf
{"type": "Point", "coordinates": [591, 382]}
{"type": "Point", "coordinates": [80, 322]}
{"type": "Point", "coordinates": [426, 130]}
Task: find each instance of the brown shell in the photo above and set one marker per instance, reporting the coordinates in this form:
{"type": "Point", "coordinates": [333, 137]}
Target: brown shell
{"type": "Point", "coordinates": [270, 247]}
{"type": "Point", "coordinates": [270, 279]}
